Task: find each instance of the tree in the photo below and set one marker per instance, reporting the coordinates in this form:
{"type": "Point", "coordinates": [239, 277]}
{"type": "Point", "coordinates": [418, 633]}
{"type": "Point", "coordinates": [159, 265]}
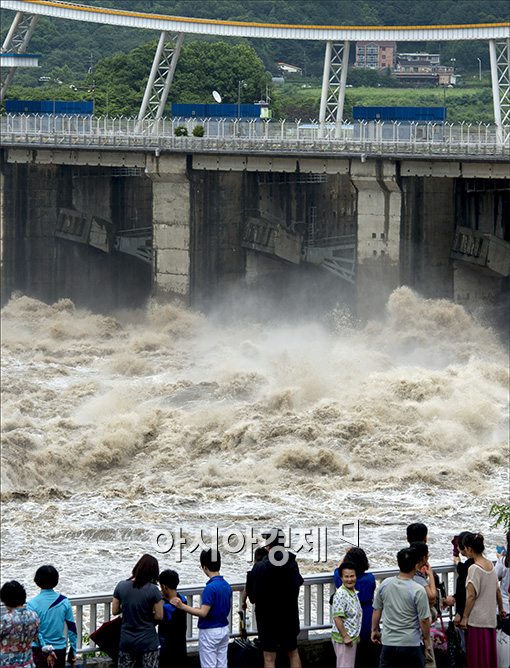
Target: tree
{"type": "Point", "coordinates": [501, 514]}
{"type": "Point", "coordinates": [208, 66]}
{"type": "Point", "coordinates": [203, 67]}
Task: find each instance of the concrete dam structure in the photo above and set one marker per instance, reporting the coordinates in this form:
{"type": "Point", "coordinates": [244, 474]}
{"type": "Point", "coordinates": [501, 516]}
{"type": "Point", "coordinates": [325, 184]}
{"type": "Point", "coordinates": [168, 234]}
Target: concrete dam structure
{"type": "Point", "coordinates": [110, 228]}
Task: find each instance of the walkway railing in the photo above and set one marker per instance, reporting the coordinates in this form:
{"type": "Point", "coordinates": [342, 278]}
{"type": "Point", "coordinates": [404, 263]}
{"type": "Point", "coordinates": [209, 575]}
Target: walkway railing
{"type": "Point", "coordinates": [315, 614]}
{"type": "Point", "coordinates": [252, 136]}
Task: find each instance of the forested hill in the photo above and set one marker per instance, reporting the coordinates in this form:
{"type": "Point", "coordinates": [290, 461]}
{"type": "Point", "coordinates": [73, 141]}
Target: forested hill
{"type": "Point", "coordinates": [78, 45]}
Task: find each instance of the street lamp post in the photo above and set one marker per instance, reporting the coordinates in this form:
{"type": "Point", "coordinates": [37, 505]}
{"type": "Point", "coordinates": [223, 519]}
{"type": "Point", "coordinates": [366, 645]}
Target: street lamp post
{"type": "Point", "coordinates": [479, 69]}
{"type": "Point", "coordinates": [240, 84]}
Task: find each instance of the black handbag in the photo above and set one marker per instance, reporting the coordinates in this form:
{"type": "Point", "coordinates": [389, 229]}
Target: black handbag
{"type": "Point", "coordinates": [456, 656]}
{"type": "Point", "coordinates": [504, 624]}
{"type": "Point", "coordinates": [245, 653]}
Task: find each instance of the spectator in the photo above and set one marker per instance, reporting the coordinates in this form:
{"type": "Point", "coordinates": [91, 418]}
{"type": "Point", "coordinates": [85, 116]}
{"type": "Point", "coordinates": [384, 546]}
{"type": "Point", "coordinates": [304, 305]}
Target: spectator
{"type": "Point", "coordinates": [417, 532]}
{"type": "Point", "coordinates": [404, 608]}
{"type": "Point", "coordinates": [347, 616]}
{"type": "Point", "coordinates": [503, 573]}
{"type": "Point", "coordinates": [213, 630]}
{"type": "Point", "coordinates": [459, 598]}
{"type": "Point", "coordinates": [277, 575]}
{"type": "Point", "coordinates": [55, 614]}
{"type": "Point", "coordinates": [482, 594]}
{"type": "Point", "coordinates": [172, 628]}
{"type": "Point", "coordinates": [247, 592]}
{"type": "Point", "coordinates": [18, 627]}
{"type": "Point", "coordinates": [366, 653]}
{"type": "Point", "coordinates": [425, 577]}
{"type": "Point", "coordinates": [140, 602]}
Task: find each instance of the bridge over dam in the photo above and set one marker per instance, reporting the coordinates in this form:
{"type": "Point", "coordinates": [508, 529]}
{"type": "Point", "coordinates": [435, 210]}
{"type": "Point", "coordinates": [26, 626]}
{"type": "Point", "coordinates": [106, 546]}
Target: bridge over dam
{"type": "Point", "coordinates": [109, 219]}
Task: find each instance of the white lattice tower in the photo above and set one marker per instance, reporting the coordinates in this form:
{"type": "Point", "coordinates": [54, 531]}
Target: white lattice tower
{"type": "Point", "coordinates": [500, 75]}
{"type": "Point", "coordinates": [336, 61]}
{"type": "Point", "coordinates": [161, 76]}
{"type": "Point", "coordinates": [16, 41]}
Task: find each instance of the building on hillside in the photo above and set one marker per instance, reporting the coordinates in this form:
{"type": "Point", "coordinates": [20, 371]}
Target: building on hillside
{"type": "Point", "coordinates": [288, 68]}
{"type": "Point", "coordinates": [376, 55]}
{"type": "Point", "coordinates": [423, 68]}
{"type": "Point", "coordinates": [418, 60]}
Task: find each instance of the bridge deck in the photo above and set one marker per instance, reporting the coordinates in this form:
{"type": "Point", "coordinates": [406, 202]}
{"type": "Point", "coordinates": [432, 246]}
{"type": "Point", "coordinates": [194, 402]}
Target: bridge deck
{"type": "Point", "coordinates": [441, 142]}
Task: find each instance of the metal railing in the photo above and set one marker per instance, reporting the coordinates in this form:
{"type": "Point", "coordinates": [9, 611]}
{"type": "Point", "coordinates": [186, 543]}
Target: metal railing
{"type": "Point", "coordinates": [252, 136]}
{"type": "Point", "coordinates": [315, 613]}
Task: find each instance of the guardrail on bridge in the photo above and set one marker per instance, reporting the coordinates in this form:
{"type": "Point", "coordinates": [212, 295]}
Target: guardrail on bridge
{"type": "Point", "coordinates": [315, 613]}
{"type": "Point", "coordinates": [252, 136]}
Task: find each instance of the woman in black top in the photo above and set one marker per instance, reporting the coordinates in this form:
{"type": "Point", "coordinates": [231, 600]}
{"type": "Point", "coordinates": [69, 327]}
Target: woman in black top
{"type": "Point", "coordinates": [459, 598]}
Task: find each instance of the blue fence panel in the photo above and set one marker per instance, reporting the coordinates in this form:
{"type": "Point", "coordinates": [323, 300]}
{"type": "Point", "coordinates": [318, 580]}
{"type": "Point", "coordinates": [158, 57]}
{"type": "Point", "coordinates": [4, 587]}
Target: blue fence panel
{"type": "Point", "coordinates": [224, 110]}
{"type": "Point", "coordinates": [80, 107]}
{"type": "Point", "coordinates": [424, 114]}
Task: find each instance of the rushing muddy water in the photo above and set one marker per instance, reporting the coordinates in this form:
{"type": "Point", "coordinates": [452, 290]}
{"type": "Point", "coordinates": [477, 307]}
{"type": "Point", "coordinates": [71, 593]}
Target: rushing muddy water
{"type": "Point", "coordinates": [115, 428]}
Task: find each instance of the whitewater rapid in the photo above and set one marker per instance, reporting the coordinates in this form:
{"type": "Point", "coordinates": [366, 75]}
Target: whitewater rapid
{"type": "Point", "coordinates": [117, 427]}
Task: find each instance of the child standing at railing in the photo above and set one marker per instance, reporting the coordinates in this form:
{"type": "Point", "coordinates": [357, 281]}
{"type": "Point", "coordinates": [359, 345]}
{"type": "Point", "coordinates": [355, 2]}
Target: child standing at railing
{"type": "Point", "coordinates": [347, 616]}
{"type": "Point", "coordinates": [172, 628]}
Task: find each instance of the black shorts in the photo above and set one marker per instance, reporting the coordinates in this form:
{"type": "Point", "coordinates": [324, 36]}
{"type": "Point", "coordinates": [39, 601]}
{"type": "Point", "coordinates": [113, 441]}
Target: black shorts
{"type": "Point", "coordinates": [276, 639]}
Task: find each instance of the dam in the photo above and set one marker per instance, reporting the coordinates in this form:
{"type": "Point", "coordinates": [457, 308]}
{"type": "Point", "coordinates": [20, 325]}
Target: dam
{"type": "Point", "coordinates": [106, 221]}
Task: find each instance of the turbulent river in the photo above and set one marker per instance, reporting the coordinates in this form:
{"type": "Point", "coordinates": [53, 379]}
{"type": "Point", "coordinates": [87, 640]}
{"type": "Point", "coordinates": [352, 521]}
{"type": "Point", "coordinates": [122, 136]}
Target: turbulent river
{"type": "Point", "coordinates": [117, 428]}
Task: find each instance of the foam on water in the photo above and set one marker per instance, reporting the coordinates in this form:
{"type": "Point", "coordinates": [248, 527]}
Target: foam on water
{"type": "Point", "coordinates": [114, 427]}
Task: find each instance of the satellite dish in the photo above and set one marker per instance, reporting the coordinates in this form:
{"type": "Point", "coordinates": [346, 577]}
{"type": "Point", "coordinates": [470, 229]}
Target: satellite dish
{"type": "Point", "coordinates": [216, 96]}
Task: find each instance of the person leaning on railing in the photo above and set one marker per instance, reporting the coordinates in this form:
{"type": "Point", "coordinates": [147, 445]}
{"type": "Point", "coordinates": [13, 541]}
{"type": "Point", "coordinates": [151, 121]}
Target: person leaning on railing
{"type": "Point", "coordinates": [458, 599]}
{"type": "Point", "coordinates": [404, 606]}
{"type": "Point", "coordinates": [56, 613]}
{"type": "Point", "coordinates": [140, 601]}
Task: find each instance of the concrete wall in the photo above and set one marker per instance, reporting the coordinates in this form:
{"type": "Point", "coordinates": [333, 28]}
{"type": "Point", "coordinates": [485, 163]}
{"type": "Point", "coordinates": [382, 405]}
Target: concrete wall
{"type": "Point", "coordinates": [37, 263]}
{"type": "Point", "coordinates": [403, 214]}
{"type": "Point", "coordinates": [428, 226]}
{"type": "Point", "coordinates": [32, 195]}
{"type": "Point", "coordinates": [484, 205]}
{"type": "Point", "coordinates": [218, 213]}
{"type": "Point", "coordinates": [221, 203]}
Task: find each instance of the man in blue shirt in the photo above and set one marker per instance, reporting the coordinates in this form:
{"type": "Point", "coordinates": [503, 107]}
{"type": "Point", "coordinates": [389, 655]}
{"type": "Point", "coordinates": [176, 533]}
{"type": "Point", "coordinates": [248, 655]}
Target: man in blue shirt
{"type": "Point", "coordinates": [213, 629]}
{"type": "Point", "coordinates": [55, 613]}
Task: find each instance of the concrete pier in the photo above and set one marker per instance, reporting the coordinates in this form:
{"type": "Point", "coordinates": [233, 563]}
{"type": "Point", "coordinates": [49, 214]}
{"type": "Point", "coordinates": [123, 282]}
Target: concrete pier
{"type": "Point", "coordinates": [378, 232]}
{"type": "Point", "coordinates": [170, 225]}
